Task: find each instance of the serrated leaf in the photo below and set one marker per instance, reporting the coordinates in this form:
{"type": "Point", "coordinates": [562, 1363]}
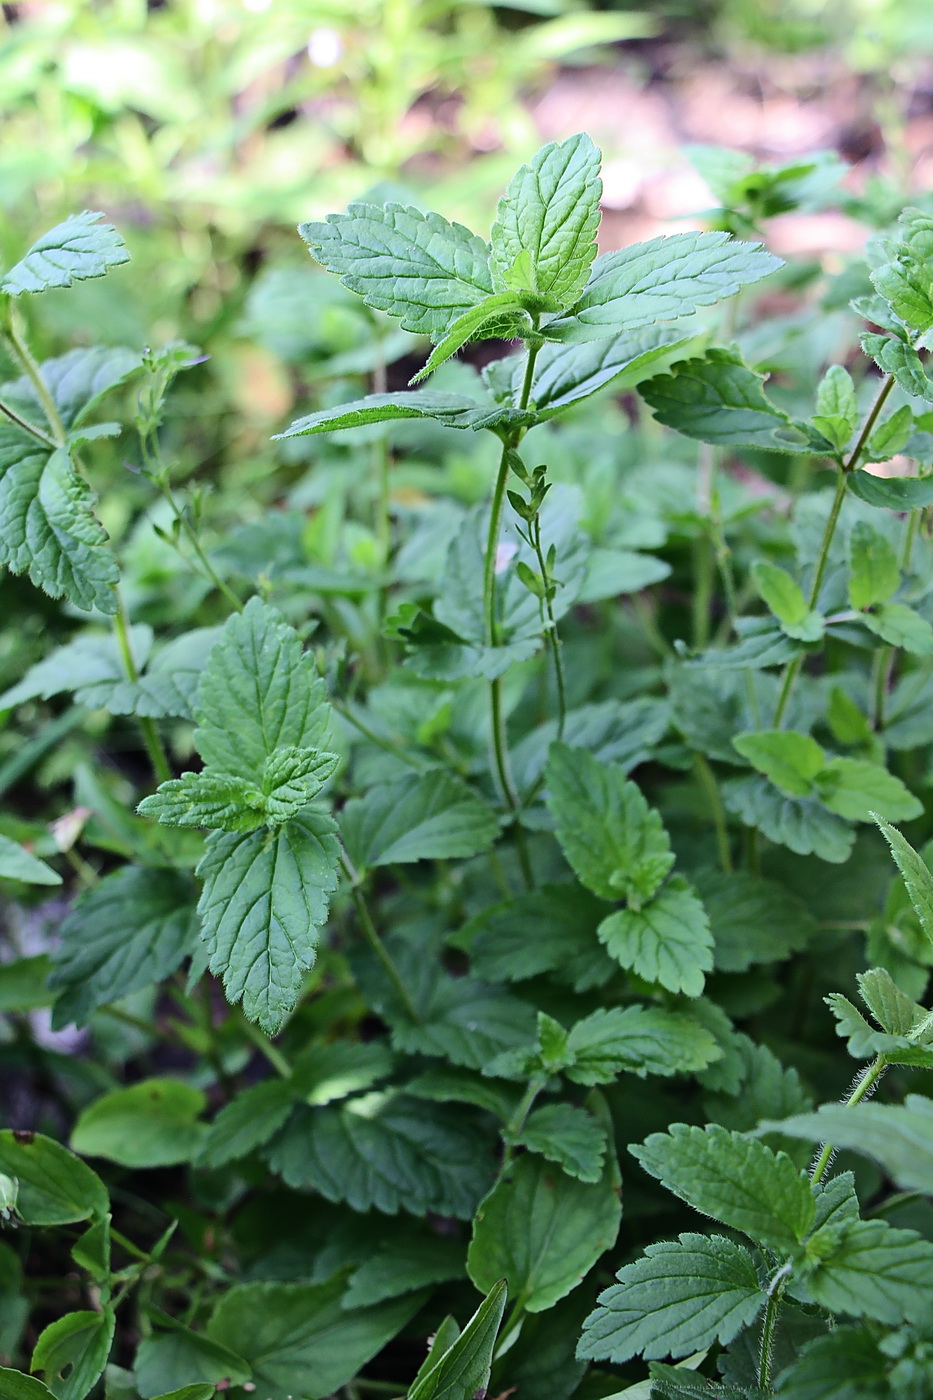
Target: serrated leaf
{"type": "Point", "coordinates": [766, 1090]}
{"type": "Point", "coordinates": [735, 1179]}
{"type": "Point", "coordinates": [461, 1370]}
{"type": "Point", "coordinates": [894, 357]}
{"type": "Point", "coordinates": [73, 1351]}
{"type": "Point", "coordinates": [615, 842]}
{"type": "Point", "coordinates": [55, 1186]}
{"type": "Point", "coordinates": [876, 1271]}
{"type": "Point", "coordinates": [897, 1136]}
{"type": "Point", "coordinates": [875, 575]}
{"type": "Point", "coordinates": [784, 597]}
{"type": "Point", "coordinates": [501, 315]}
{"type": "Point", "coordinates": [719, 400]}
{"type": "Point", "coordinates": [150, 1124]}
{"type": "Point", "coordinates": [246, 1122]}
{"type": "Point", "coordinates": [405, 1265]}
{"type": "Point", "coordinates": [863, 1040]}
{"type": "Point", "coordinates": [543, 1231]}
{"type": "Point", "coordinates": [265, 896]}
{"type": "Point", "coordinates": [752, 920]}
{"type": "Point", "coordinates": [552, 930]}
{"type": "Point", "coordinates": [16, 863]}
{"type": "Point", "coordinates": [836, 397]}
{"type": "Point", "coordinates": [845, 1365]}
{"type": "Point", "coordinates": [569, 1136]}
{"type": "Point", "coordinates": [894, 1011]}
{"type": "Point", "coordinates": [892, 493]}
{"type": "Point", "coordinates": [80, 247]}
{"type": "Point", "coordinates": [789, 760]}
{"type": "Point", "coordinates": [891, 436]}
{"type": "Point", "coordinates": [901, 626]}
{"type": "Point", "coordinates": [89, 667]}
{"type": "Point", "coordinates": [429, 816]}
{"type": "Point", "coordinates": [77, 381]}
{"type": "Point", "coordinates": [855, 789]}
{"type": "Point", "coordinates": [386, 1152]}
{"type": "Point", "coordinates": [915, 872]}
{"type": "Point", "coordinates": [568, 374]}
{"type": "Point", "coordinates": [417, 267]}
{"type": "Point", "coordinates": [679, 1297]}
{"type": "Point", "coordinates": [668, 940]}
{"type": "Point", "coordinates": [132, 929]}
{"type": "Point", "coordinates": [660, 280]}
{"type": "Point", "coordinates": [637, 1040]}
{"type": "Point", "coordinates": [207, 799]}
{"type": "Point", "coordinates": [801, 824]}
{"type": "Point", "coordinates": [906, 286]}
{"type": "Point", "coordinates": [549, 216]}
{"type": "Point", "coordinates": [451, 410]}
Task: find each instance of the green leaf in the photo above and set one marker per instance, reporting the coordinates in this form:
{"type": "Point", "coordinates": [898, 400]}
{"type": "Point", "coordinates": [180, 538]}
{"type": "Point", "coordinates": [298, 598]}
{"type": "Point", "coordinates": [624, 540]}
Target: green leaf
{"type": "Point", "coordinates": [90, 667]}
{"type": "Point", "coordinates": [16, 1386]}
{"type": "Point", "coordinates": [404, 1265]}
{"type": "Point", "coordinates": [542, 1231]}
{"type": "Point", "coordinates": [891, 436]}
{"type": "Point", "coordinates": [878, 1272]}
{"type": "Point", "coordinates": [73, 1351]}
{"type": "Point", "coordinates": [766, 1090]}
{"type": "Point", "coordinates": [291, 778]}
{"type": "Point", "coordinates": [836, 406]}
{"type": "Point", "coordinates": [752, 920]}
{"type": "Point", "coordinates": [679, 1297]}
{"type": "Point", "coordinates": [246, 1122]}
{"type": "Point", "coordinates": [567, 374]}
{"type": "Point", "coordinates": [544, 237]}
{"type": "Point", "coordinates": [660, 281]}
{"type": "Point", "coordinates": [92, 1250]}
{"type": "Point", "coordinates": [892, 493]}
{"type": "Point", "coordinates": [719, 400]}
{"type": "Point", "coordinates": [800, 824]}
{"type": "Point", "coordinates": [16, 863]}
{"type": "Point", "coordinates": [906, 286]}
{"type": "Point", "coordinates": [637, 1040]}
{"type": "Point", "coordinates": [265, 896]}
{"type": "Point", "coordinates": [132, 929]}
{"type": "Point", "coordinates": [894, 357]}
{"type": "Point", "coordinates": [863, 1041]}
{"type": "Point", "coordinates": [451, 410]}
{"type": "Point", "coordinates": [500, 316]}
{"type": "Point", "coordinates": [72, 251]}
{"type": "Point", "coordinates": [299, 1340]}
{"type": "Point", "coordinates": [891, 1008]}
{"type": "Point", "coordinates": [189, 1392]}
{"type": "Point", "coordinates": [855, 789]}
{"type": "Point", "coordinates": [915, 872]}
{"type": "Point", "coordinates": [875, 575]}
{"type": "Point", "coordinates": [901, 626]}
{"type": "Point", "coordinates": [55, 1187]}
{"type": "Point", "coordinates": [569, 1136]}
{"type": "Point", "coordinates": [428, 816]}
{"type": "Point", "coordinates": [897, 1136]}
{"type": "Point", "coordinates": [417, 267]}
{"type": "Point", "coordinates": [615, 842]}
{"type": "Point", "coordinates": [784, 597]}
{"type": "Point", "coordinates": [259, 692]}
{"type": "Point", "coordinates": [387, 1152]}
{"type": "Point", "coordinates": [77, 381]}
{"type": "Point", "coordinates": [552, 930]}
{"type": "Point", "coordinates": [845, 1365]}
{"type": "Point", "coordinates": [735, 1179]}
{"type": "Point", "coordinates": [181, 1357]}
{"type": "Point", "coordinates": [151, 1124]}
{"type": "Point", "coordinates": [461, 1370]}
{"type": "Point", "coordinates": [667, 941]}
{"type": "Point", "coordinates": [789, 760]}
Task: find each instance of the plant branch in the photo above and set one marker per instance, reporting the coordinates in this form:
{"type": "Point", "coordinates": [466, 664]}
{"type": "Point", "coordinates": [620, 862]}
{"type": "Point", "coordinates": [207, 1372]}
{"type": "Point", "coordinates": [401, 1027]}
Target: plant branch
{"type": "Point", "coordinates": [27, 426]}
{"type": "Point", "coordinates": [21, 352]}
{"type": "Point", "coordinates": [151, 737]}
{"type": "Point", "coordinates": [373, 939]}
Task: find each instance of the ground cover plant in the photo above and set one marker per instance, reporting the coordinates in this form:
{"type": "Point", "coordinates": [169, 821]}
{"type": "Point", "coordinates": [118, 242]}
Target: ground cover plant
{"type": "Point", "coordinates": [477, 869]}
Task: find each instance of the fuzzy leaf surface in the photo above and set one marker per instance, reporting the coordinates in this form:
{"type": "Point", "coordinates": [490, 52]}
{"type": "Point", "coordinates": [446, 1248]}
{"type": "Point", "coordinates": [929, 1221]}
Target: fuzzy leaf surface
{"type": "Point", "coordinates": [666, 941]}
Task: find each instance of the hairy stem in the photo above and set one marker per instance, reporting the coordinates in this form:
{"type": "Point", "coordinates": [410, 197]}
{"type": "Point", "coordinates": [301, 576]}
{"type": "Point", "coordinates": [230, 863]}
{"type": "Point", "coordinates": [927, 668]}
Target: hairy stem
{"type": "Point", "coordinates": [16, 343]}
{"type": "Point", "coordinates": [772, 1313]}
{"type": "Point", "coordinates": [375, 942]}
{"type": "Point", "coordinates": [866, 1085]}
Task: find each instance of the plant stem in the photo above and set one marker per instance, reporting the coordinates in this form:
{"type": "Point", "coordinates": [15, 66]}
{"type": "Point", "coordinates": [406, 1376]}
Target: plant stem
{"type": "Point", "coordinates": [265, 1047]}
{"type": "Point", "coordinates": [20, 350]}
{"type": "Point", "coordinates": [886, 655]}
{"type": "Point", "coordinates": [151, 738]}
{"type": "Point", "coordinates": [373, 939]}
{"type": "Point", "coordinates": [27, 426]}
{"type": "Point", "coordinates": [553, 641]}
{"type": "Point", "coordinates": [710, 787]}
{"type": "Point", "coordinates": [867, 1082]}
{"type": "Point", "coordinates": [772, 1312]}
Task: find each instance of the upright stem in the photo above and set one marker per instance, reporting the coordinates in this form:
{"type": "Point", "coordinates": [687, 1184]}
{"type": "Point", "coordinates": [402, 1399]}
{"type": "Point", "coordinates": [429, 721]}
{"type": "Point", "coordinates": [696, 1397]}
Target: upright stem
{"type": "Point", "coordinates": [374, 941]}
{"type": "Point", "coordinates": [553, 641]}
{"type": "Point", "coordinates": [27, 425]}
{"type": "Point", "coordinates": [17, 344]}
{"type": "Point", "coordinates": [151, 738]}
{"type": "Point", "coordinates": [710, 787]}
{"type": "Point", "coordinates": [772, 1312]}
{"type": "Point", "coordinates": [886, 655]}
{"type": "Point", "coordinates": [866, 1084]}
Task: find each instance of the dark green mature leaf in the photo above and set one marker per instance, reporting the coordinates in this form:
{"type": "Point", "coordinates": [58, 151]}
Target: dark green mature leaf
{"type": "Point", "coordinates": [14, 1385]}
{"type": "Point", "coordinates": [752, 920]}
{"type": "Point", "coordinates": [800, 824]}
{"type": "Point", "coordinates": [55, 1186]}
{"type": "Point", "coordinates": [417, 267]}
{"type": "Point", "coordinates": [72, 251]}
{"type": "Point", "coordinates": [404, 1265]}
{"type": "Point", "coordinates": [542, 1231]}
{"type": "Point", "coordinates": [544, 237]}
{"type": "Point", "coordinates": [462, 1369]}
{"type": "Point", "coordinates": [387, 1152]}
{"type": "Point", "coordinates": [766, 1090]}
{"type": "Point", "coordinates": [552, 930]}
{"type": "Point", "coordinates": [876, 1271]}
{"type": "Point", "coordinates": [668, 940]}
{"type": "Point", "coordinates": [265, 896]}
{"type": "Point", "coordinates": [615, 842]}
{"type": "Point", "coordinates": [77, 381]}
{"type": "Point", "coordinates": [132, 929]}
{"type": "Point", "coordinates": [679, 1297]}
{"type": "Point", "coordinates": [569, 1136]}
{"type": "Point", "coordinates": [894, 357]}
{"type": "Point", "coordinates": [915, 872]}
{"type": "Point", "coordinates": [568, 374]}
{"type": "Point", "coordinates": [735, 1179]}
{"type": "Point", "coordinates": [638, 1040]}
{"type": "Point", "coordinates": [90, 667]}
{"type": "Point", "coordinates": [246, 1122]}
{"type": "Point", "coordinates": [897, 1136]}
{"type": "Point", "coordinates": [719, 400]}
{"type": "Point", "coordinates": [892, 493]}
{"type": "Point", "coordinates": [16, 863]}
{"type": "Point", "coordinates": [150, 1124]}
{"type": "Point", "coordinates": [299, 1340]}
{"type": "Point", "coordinates": [180, 1357]}
{"type": "Point", "coordinates": [428, 816]}
{"type": "Point", "coordinates": [845, 1365]}
{"type": "Point", "coordinates": [660, 280]}
{"type": "Point", "coordinates": [73, 1351]}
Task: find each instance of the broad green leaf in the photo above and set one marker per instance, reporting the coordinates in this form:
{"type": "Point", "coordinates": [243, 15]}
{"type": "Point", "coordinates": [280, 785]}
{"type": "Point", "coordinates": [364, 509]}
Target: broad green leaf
{"type": "Point", "coordinates": [735, 1179]}
{"type": "Point", "coordinates": [499, 316]}
{"type": "Point", "coordinates": [679, 1297]}
{"type": "Point", "coordinates": [259, 692]}
{"type": "Point", "coordinates": [386, 1152]}
{"type": "Point", "coordinates": [836, 406]}
{"type": "Point", "coordinates": [892, 493]}
{"type": "Point", "coordinates": [766, 1090]}
{"type": "Point", "coordinates": [77, 381]}
{"type": "Point", "coordinates": [16, 863]}
{"type": "Point", "coordinates": [443, 1339]}
{"type": "Point", "coordinates": [461, 1370]}
{"type": "Point", "coordinates": [893, 1011]}
{"type": "Point", "coordinates": [150, 1124]}
{"type": "Point", "coordinates": [430, 816]}
{"type": "Point", "coordinates": [907, 287]}
{"type": "Point", "coordinates": [615, 842]}
{"type": "Point", "coordinates": [405, 1265]}
{"type": "Point", "coordinates": [846, 1364]}
{"type": "Point", "coordinates": [417, 267]}
{"type": "Point", "coordinates": [668, 940]}
{"type": "Point", "coordinates": [72, 251]}
{"type": "Point", "coordinates": [916, 874]}
{"type": "Point", "coordinates": [325, 1073]}
{"type": "Point", "coordinates": [182, 1357]}
{"type": "Point", "coordinates": [451, 410]}
{"type": "Point", "coordinates": [637, 1040]}
{"type": "Point", "coordinates": [863, 1040]}
{"type": "Point", "coordinates": [789, 760]}
{"type": "Point", "coordinates": [246, 1122]}
{"type": "Point", "coordinates": [132, 929]}
{"type": "Point", "coordinates": [875, 575]}
{"type": "Point", "coordinates": [894, 357]}
{"type": "Point", "coordinates": [891, 436]}
{"type": "Point", "coordinates": [542, 1231]}
{"type": "Point", "coordinates": [92, 1250]}
{"type": "Point", "coordinates": [90, 667]}
{"type": "Point", "coordinates": [899, 1137]}
{"type": "Point", "coordinates": [567, 374]}
{"type": "Point", "coordinates": [762, 644]}
{"type": "Point", "coordinates": [784, 597]}
{"type": "Point", "coordinates": [801, 824]}
{"type": "Point", "coordinates": [719, 400]}
{"type": "Point", "coordinates": [569, 1136]}
{"type": "Point", "coordinates": [660, 281]}
{"type": "Point", "coordinates": [265, 896]}
{"type": "Point", "coordinates": [552, 930]}
{"type": "Point", "coordinates": [55, 1186]}
{"type": "Point", "coordinates": [14, 1385]}
{"type": "Point", "coordinates": [291, 778]}
{"type": "Point", "coordinates": [73, 1351]}
{"type": "Point", "coordinates": [544, 237]}
{"type": "Point", "coordinates": [856, 789]}
{"type": "Point", "coordinates": [752, 920]}
{"type": "Point", "coordinates": [299, 1340]}
{"type": "Point", "coordinates": [625, 732]}
{"type": "Point", "coordinates": [901, 626]}
{"type": "Point", "coordinates": [878, 1272]}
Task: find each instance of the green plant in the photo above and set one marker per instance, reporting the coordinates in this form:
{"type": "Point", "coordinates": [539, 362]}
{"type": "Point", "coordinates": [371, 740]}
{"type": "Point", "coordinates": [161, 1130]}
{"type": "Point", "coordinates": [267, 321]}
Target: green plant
{"type": "Point", "coordinates": [374, 1043]}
